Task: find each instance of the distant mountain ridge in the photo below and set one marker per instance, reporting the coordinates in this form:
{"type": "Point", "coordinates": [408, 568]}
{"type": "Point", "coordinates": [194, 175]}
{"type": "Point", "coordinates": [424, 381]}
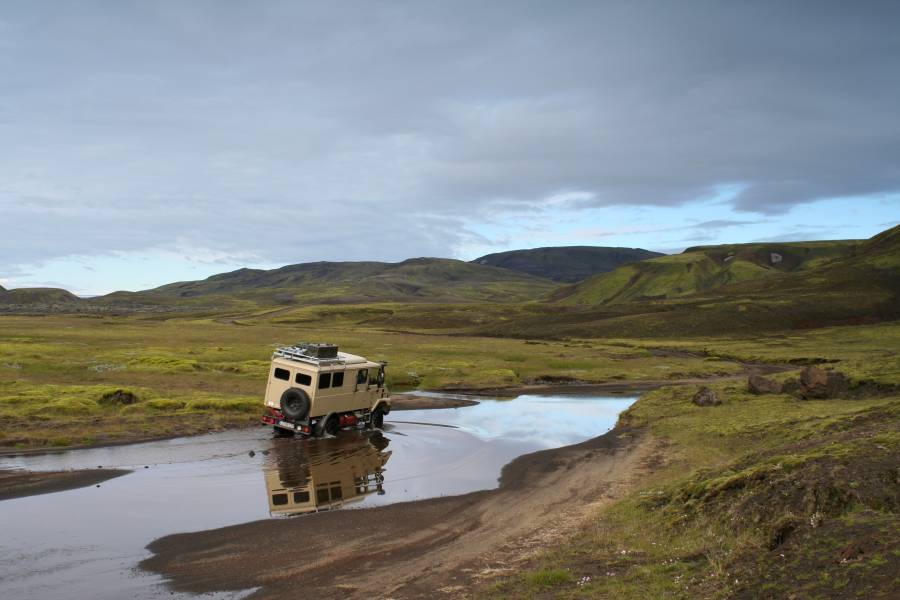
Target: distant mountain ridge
{"type": "Point", "coordinates": [567, 264]}
{"type": "Point", "coordinates": [717, 274]}
{"type": "Point", "coordinates": [413, 280]}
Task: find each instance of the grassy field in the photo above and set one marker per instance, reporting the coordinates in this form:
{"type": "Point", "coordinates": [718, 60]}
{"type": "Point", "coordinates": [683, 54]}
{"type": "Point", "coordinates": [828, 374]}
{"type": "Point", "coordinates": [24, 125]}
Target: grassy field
{"type": "Point", "coordinates": [199, 374]}
{"type": "Point", "coordinates": [194, 374]}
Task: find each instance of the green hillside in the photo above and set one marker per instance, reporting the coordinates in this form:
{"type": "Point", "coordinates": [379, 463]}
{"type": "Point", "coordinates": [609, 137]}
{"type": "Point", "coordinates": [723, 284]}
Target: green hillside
{"type": "Point", "coordinates": [414, 280]}
{"type": "Point", "coordinates": [29, 296]}
{"type": "Point", "coordinates": [566, 263]}
{"type": "Point", "coordinates": [862, 286]}
{"type": "Point", "coordinates": [701, 269]}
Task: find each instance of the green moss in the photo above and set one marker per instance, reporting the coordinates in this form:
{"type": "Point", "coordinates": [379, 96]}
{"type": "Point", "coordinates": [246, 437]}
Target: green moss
{"type": "Point", "coordinates": [162, 404]}
{"type": "Point", "coordinates": [546, 578]}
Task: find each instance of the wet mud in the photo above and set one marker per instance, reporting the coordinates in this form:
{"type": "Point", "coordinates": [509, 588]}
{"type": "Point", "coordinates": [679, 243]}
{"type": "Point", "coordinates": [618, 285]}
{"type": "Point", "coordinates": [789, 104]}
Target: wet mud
{"type": "Point", "coordinates": [20, 484]}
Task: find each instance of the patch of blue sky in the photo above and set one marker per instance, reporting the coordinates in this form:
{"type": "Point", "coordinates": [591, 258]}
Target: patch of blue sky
{"type": "Point", "coordinates": [671, 229]}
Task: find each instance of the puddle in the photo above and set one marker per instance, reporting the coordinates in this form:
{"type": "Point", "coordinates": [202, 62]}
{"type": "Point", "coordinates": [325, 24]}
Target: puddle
{"type": "Point", "coordinates": [86, 542]}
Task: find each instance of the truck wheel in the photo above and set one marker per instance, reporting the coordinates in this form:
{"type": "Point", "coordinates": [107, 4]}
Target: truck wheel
{"type": "Point", "coordinates": [332, 425]}
{"type": "Point", "coordinates": [377, 418]}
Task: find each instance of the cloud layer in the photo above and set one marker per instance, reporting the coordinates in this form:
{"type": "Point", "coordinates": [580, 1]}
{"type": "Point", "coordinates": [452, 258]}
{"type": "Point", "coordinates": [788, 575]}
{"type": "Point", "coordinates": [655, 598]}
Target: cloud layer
{"type": "Point", "coordinates": [288, 131]}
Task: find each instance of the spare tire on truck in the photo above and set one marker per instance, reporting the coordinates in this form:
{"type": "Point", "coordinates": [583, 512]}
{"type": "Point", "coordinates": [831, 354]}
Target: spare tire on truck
{"type": "Point", "coordinates": [295, 404]}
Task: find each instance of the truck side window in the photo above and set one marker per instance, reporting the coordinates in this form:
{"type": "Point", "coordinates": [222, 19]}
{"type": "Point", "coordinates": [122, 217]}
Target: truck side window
{"type": "Point", "coordinates": [324, 381]}
{"type": "Point", "coordinates": [282, 374]}
{"type": "Point", "coordinates": [361, 376]}
{"type": "Point", "coordinates": [303, 379]}
{"type": "Point", "coordinates": [337, 379]}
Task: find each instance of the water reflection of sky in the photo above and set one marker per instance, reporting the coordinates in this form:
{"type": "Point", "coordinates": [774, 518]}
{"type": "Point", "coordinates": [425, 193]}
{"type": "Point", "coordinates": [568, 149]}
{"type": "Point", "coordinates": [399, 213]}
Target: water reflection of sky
{"type": "Point", "coordinates": [544, 420]}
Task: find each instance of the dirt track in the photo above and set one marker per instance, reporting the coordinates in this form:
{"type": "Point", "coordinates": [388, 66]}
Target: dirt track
{"type": "Point", "coordinates": [411, 549]}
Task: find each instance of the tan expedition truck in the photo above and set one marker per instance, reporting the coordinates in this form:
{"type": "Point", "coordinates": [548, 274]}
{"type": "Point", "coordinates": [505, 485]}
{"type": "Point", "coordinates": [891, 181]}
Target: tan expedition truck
{"type": "Point", "coordinates": [313, 389]}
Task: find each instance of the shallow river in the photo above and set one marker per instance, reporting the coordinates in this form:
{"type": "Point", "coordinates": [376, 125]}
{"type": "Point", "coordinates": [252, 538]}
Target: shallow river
{"type": "Point", "coordinates": [85, 543]}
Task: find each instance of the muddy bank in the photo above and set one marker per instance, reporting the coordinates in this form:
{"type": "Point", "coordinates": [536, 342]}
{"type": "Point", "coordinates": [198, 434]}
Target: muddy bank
{"type": "Point", "coordinates": [416, 402]}
{"type": "Point", "coordinates": [569, 385]}
{"type": "Point", "coordinates": [19, 484]}
{"type": "Point", "coordinates": [403, 550]}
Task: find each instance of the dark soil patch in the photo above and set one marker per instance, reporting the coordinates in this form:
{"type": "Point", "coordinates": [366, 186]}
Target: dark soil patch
{"type": "Point", "coordinates": [853, 556]}
{"type": "Point", "coordinates": [19, 484]}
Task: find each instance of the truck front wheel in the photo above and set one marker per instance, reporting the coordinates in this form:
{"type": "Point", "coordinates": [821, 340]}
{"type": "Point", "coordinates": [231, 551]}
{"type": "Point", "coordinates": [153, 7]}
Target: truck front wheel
{"type": "Point", "coordinates": [377, 418]}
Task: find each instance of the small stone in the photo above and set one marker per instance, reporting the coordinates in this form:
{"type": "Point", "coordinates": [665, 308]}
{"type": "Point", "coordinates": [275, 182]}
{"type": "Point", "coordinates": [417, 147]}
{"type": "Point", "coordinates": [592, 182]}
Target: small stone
{"type": "Point", "coordinates": [251, 453]}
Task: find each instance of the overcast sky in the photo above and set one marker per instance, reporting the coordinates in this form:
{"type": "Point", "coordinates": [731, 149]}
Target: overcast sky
{"type": "Point", "coordinates": [147, 142]}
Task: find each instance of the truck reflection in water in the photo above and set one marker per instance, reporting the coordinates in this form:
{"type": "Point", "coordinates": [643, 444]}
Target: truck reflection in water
{"type": "Point", "coordinates": [311, 475]}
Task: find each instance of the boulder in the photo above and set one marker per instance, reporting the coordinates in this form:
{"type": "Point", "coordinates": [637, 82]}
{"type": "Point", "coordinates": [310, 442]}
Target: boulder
{"type": "Point", "coordinates": [816, 383]}
{"type": "Point", "coordinates": [706, 397]}
{"type": "Point", "coordinates": [813, 377]}
{"type": "Point", "coordinates": [757, 384]}
{"type": "Point", "coordinates": [838, 384]}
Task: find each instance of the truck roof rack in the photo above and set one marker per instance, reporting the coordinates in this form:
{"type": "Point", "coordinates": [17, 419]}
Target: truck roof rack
{"type": "Point", "coordinates": [320, 354]}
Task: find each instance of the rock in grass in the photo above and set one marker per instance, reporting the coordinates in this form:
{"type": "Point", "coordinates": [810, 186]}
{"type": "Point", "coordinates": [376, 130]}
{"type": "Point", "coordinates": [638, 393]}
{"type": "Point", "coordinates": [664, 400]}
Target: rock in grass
{"type": "Point", "coordinates": [706, 397]}
{"type": "Point", "coordinates": [816, 383]}
{"type": "Point", "coordinates": [118, 398]}
{"type": "Point", "coordinates": [813, 377]}
{"type": "Point", "coordinates": [838, 384]}
{"type": "Point", "coordinates": [757, 384]}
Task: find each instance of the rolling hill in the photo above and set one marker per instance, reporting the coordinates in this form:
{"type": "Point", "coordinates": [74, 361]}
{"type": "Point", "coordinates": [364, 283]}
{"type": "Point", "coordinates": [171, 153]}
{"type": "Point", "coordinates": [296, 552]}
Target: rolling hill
{"type": "Point", "coordinates": [701, 269]}
{"type": "Point", "coordinates": [414, 280]}
{"type": "Point", "coordinates": [32, 296]}
{"type": "Point", "coordinates": [567, 264]}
